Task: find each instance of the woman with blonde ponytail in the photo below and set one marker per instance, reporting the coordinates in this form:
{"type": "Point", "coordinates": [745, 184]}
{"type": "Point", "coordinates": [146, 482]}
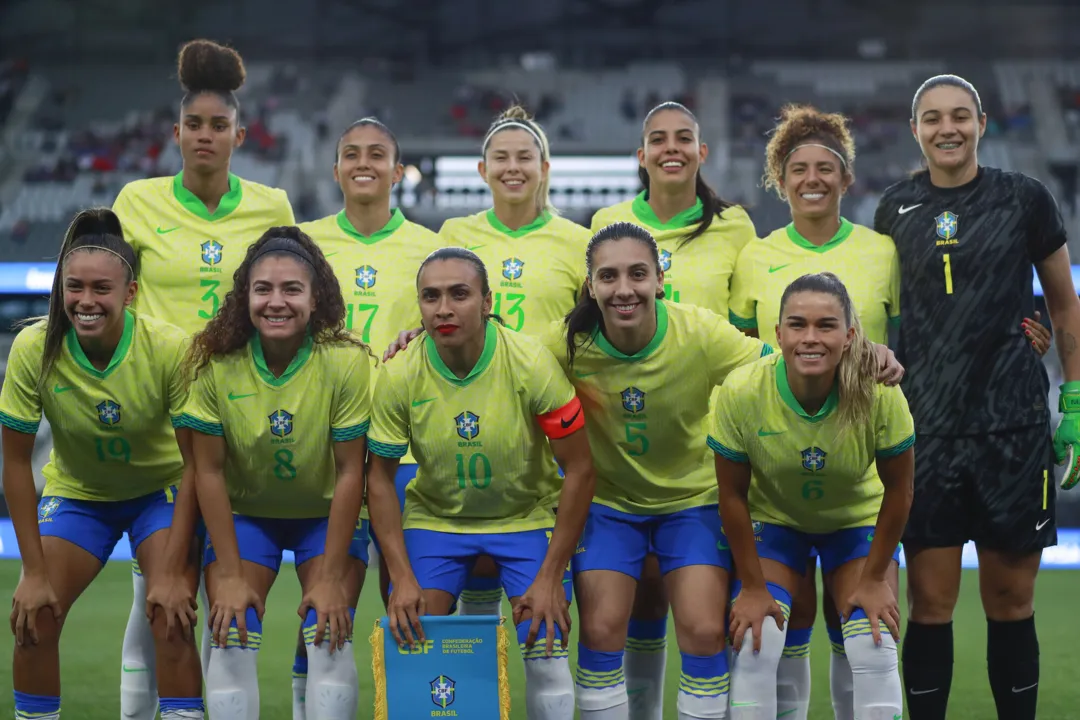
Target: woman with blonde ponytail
{"type": "Point", "coordinates": [813, 455]}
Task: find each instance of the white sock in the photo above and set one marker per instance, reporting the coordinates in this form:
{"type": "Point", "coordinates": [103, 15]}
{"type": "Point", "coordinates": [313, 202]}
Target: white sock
{"type": "Point", "coordinates": [299, 698]}
{"type": "Point", "coordinates": [793, 676]}
{"type": "Point", "coordinates": [182, 715]}
{"type": "Point", "coordinates": [205, 644]}
{"type": "Point", "coordinates": [840, 683]}
{"type": "Point", "coordinates": [875, 671]}
{"type": "Point", "coordinates": [138, 680]}
{"type": "Point", "coordinates": [644, 663]}
{"type": "Point", "coordinates": [600, 685]}
{"type": "Point", "coordinates": [480, 602]}
{"type": "Point", "coordinates": [333, 685]}
{"type": "Point", "coordinates": [549, 689]}
{"type": "Point", "coordinates": [753, 677]}
{"type": "Point", "coordinates": [232, 685]}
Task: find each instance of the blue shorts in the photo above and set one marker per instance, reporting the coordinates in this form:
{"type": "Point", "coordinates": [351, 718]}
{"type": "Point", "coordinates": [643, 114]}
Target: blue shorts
{"type": "Point", "coordinates": [404, 476]}
{"type": "Point", "coordinates": [793, 547]}
{"type": "Point", "coordinates": [97, 525]}
{"type": "Point", "coordinates": [619, 541]}
{"type": "Point", "coordinates": [262, 540]}
{"type": "Point", "coordinates": [443, 560]}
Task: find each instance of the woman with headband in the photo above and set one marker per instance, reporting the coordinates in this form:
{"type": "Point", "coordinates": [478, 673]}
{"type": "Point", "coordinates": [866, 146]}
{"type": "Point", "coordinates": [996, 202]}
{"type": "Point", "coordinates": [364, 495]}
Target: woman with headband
{"type": "Point", "coordinates": [537, 259]}
{"type": "Point", "coordinates": [699, 236]}
{"type": "Point", "coordinates": [190, 232]}
{"type": "Point", "coordinates": [110, 383]}
{"type": "Point", "coordinates": [279, 408]}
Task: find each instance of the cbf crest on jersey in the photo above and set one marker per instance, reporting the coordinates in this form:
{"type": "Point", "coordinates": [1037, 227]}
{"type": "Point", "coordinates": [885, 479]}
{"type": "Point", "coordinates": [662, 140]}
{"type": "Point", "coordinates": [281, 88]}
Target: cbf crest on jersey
{"type": "Point", "coordinates": [281, 423]}
{"type": "Point", "coordinates": [365, 277]}
{"type": "Point", "coordinates": [108, 412]}
{"type": "Point", "coordinates": [633, 400]}
{"type": "Point", "coordinates": [211, 252]}
{"type": "Point", "coordinates": [947, 225]}
{"type": "Point", "coordinates": [48, 508]}
{"type": "Point", "coordinates": [468, 425]}
{"type": "Point", "coordinates": [813, 459]}
{"type": "Point", "coordinates": [442, 691]}
{"type": "Point", "coordinates": [665, 260]}
{"type": "Point", "coordinates": [512, 268]}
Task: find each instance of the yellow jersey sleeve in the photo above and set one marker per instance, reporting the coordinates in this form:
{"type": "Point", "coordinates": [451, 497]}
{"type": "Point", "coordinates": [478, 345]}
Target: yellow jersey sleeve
{"type": "Point", "coordinates": [725, 432]}
{"type": "Point", "coordinates": [201, 413]}
{"type": "Point", "coordinates": [389, 433]}
{"type": "Point", "coordinates": [742, 306]}
{"type": "Point", "coordinates": [547, 384]}
{"type": "Point", "coordinates": [351, 411]}
{"type": "Point", "coordinates": [726, 347]}
{"type": "Point", "coordinates": [894, 428]}
{"type": "Point", "coordinates": [20, 401]}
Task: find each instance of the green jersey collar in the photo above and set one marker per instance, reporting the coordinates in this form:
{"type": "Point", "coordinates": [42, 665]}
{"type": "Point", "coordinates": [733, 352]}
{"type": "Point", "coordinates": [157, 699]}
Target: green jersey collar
{"type": "Point", "coordinates": [644, 212]}
{"type": "Point", "coordinates": [195, 206]}
{"type": "Point", "coordinates": [491, 340]}
{"type": "Point", "coordinates": [541, 220]}
{"type": "Point", "coordinates": [661, 330]}
{"type": "Point", "coordinates": [119, 353]}
{"type": "Point", "coordinates": [395, 221]}
{"type": "Point", "coordinates": [298, 361]}
{"type": "Point", "coordinates": [841, 235]}
{"type": "Point", "coordinates": [788, 397]}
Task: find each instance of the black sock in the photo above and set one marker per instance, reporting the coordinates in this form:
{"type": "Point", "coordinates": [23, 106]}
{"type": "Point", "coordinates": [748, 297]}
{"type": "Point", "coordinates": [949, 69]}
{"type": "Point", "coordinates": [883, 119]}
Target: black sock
{"type": "Point", "coordinates": [1012, 657]}
{"type": "Point", "coordinates": [928, 668]}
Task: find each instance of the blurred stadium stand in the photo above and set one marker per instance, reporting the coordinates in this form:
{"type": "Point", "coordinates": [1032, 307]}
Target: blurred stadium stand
{"type": "Point", "coordinates": [88, 96]}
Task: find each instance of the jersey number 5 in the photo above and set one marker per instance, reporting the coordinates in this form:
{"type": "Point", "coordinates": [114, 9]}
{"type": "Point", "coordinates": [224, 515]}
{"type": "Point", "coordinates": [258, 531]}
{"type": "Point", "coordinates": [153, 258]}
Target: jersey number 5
{"type": "Point", "coordinates": [948, 273]}
{"type": "Point", "coordinates": [635, 437]}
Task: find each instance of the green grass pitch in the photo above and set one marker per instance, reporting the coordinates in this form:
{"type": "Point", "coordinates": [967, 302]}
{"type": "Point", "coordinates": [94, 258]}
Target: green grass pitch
{"type": "Point", "coordinates": [91, 650]}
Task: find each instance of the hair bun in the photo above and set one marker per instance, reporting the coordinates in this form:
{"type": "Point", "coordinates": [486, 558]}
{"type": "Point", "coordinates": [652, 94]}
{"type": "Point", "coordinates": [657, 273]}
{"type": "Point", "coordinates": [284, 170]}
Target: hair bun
{"type": "Point", "coordinates": [96, 221]}
{"type": "Point", "coordinates": [206, 66]}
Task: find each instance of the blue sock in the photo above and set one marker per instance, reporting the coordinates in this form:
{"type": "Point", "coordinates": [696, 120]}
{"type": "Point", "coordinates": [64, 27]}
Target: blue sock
{"type": "Point", "coordinates": [311, 627]}
{"type": "Point", "coordinates": [797, 643]}
{"type": "Point", "coordinates": [704, 675]}
{"type": "Point", "coordinates": [836, 640]}
{"type": "Point", "coordinates": [482, 590]}
{"type": "Point", "coordinates": [647, 635]}
{"type": "Point", "coordinates": [539, 648]}
{"type": "Point", "coordinates": [254, 632]}
{"type": "Point", "coordinates": [599, 670]}
{"type": "Point", "coordinates": [28, 707]}
{"type": "Point", "coordinates": [167, 704]}
{"type": "Point", "coordinates": [299, 665]}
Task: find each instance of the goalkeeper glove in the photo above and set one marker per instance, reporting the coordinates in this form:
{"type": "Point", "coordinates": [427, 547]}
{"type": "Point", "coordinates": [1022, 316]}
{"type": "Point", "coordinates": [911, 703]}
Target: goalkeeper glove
{"type": "Point", "coordinates": [1067, 435]}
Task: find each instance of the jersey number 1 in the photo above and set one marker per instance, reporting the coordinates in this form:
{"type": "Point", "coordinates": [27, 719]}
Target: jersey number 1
{"type": "Point", "coordinates": [948, 273]}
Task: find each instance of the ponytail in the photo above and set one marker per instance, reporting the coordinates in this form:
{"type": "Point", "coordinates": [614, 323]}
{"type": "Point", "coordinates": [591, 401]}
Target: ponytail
{"type": "Point", "coordinates": [94, 230]}
{"type": "Point", "coordinates": [587, 317]}
{"type": "Point", "coordinates": [712, 205]}
{"type": "Point", "coordinates": [857, 376]}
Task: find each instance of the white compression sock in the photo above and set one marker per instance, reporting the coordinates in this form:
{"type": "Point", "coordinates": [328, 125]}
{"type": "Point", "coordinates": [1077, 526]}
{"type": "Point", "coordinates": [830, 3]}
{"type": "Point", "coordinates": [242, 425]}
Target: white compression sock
{"type": "Point", "coordinates": [549, 689]}
{"type": "Point", "coordinates": [793, 676]}
{"type": "Point", "coordinates": [205, 644]}
{"type": "Point", "coordinates": [138, 679]}
{"type": "Point", "coordinates": [644, 663]}
{"type": "Point", "coordinates": [232, 683]}
{"type": "Point", "coordinates": [333, 687]}
{"type": "Point", "coordinates": [480, 602]}
{"type": "Point", "coordinates": [875, 670]}
{"type": "Point", "coordinates": [753, 677]}
{"type": "Point", "coordinates": [600, 685]}
{"type": "Point", "coordinates": [840, 683]}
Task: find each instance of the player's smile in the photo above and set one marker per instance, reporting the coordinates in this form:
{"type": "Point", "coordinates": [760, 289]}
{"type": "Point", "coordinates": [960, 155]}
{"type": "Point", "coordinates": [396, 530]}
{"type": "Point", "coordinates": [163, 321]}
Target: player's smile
{"type": "Point", "coordinates": [947, 126]}
{"type": "Point", "coordinates": [512, 166]}
{"type": "Point", "coordinates": [814, 180]}
{"type": "Point", "coordinates": [280, 300]}
{"type": "Point", "coordinates": [672, 152]}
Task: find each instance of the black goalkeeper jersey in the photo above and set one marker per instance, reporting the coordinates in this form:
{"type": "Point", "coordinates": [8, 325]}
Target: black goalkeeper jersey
{"type": "Point", "coordinates": [966, 257]}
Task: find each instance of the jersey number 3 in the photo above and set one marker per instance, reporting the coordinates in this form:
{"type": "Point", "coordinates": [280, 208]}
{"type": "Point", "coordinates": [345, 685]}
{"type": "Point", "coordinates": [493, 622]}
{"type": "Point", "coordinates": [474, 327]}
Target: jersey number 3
{"type": "Point", "coordinates": [948, 273]}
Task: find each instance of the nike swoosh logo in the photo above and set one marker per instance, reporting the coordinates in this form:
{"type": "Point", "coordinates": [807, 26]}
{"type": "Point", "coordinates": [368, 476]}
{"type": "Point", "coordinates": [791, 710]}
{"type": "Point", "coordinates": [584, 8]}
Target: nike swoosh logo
{"type": "Point", "coordinates": [774, 268]}
{"type": "Point", "coordinates": [166, 231]}
{"type": "Point", "coordinates": [474, 248]}
{"type": "Point", "coordinates": [904, 210]}
{"type": "Point", "coordinates": [1025, 689]}
{"type": "Point", "coordinates": [762, 432]}
{"type": "Point", "coordinates": [582, 376]}
{"type": "Point", "coordinates": [329, 254]}
{"type": "Point", "coordinates": [126, 669]}
{"type": "Point", "coordinates": [1040, 526]}
{"type": "Point", "coordinates": [786, 713]}
{"type": "Point", "coordinates": [922, 692]}
{"type": "Point", "coordinates": [416, 403]}
{"type": "Point", "coordinates": [240, 397]}
{"type": "Point", "coordinates": [57, 389]}
{"type": "Point", "coordinates": [744, 704]}
{"type": "Point", "coordinates": [568, 423]}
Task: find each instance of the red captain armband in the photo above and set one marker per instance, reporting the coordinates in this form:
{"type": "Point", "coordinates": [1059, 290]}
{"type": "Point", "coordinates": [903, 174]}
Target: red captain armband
{"type": "Point", "coordinates": [567, 420]}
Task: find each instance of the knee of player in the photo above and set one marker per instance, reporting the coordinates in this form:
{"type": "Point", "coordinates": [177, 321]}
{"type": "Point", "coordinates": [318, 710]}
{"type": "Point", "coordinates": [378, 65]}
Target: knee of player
{"type": "Point", "coordinates": [931, 604]}
{"type": "Point", "coordinates": [601, 630]}
{"type": "Point", "coordinates": [702, 634]}
{"type": "Point", "coordinates": [1007, 602]}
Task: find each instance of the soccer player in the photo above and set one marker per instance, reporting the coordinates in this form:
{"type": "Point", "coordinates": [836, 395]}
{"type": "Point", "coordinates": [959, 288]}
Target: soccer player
{"type": "Point", "coordinates": [645, 370]}
{"type": "Point", "coordinates": [110, 383]}
{"type": "Point", "coordinates": [796, 438]}
{"type": "Point", "coordinates": [968, 236]}
{"type": "Point", "coordinates": [480, 406]}
{"type": "Point", "coordinates": [279, 405]}
{"type": "Point", "coordinates": [375, 252]}
{"type": "Point", "coordinates": [699, 236]}
{"type": "Point", "coordinates": [537, 253]}
{"type": "Point", "coordinates": [190, 233]}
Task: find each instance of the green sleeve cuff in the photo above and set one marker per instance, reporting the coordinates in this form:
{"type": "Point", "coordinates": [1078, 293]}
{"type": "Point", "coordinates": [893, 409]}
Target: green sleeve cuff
{"type": "Point", "coordinates": [720, 449]}
{"type": "Point", "coordinates": [387, 450]}
{"type": "Point", "coordinates": [898, 449]}
{"type": "Point", "coordinates": [741, 322]}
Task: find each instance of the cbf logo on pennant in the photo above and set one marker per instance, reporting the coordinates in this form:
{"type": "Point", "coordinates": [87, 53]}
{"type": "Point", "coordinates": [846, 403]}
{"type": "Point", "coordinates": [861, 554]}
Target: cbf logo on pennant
{"type": "Point", "coordinates": [411, 682]}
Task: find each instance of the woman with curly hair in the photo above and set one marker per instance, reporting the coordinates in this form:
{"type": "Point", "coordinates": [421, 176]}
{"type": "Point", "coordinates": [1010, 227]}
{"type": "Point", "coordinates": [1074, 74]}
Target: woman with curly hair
{"type": "Point", "coordinates": [189, 232]}
{"type": "Point", "coordinates": [279, 407]}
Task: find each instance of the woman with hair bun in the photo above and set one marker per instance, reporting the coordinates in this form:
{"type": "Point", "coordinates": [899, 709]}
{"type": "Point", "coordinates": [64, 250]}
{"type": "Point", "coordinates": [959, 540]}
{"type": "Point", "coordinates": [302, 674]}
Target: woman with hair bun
{"type": "Point", "coordinates": [190, 232]}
